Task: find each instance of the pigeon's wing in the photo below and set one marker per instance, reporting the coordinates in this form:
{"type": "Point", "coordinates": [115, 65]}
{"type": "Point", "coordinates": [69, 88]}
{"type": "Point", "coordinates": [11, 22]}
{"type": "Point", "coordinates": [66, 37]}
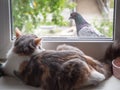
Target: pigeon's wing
{"type": "Point", "coordinates": [89, 31]}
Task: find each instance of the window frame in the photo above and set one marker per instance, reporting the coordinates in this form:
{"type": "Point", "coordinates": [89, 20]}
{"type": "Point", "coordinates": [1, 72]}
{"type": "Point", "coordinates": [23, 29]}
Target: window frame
{"type": "Point", "coordinates": [5, 24]}
{"type": "Point", "coordinates": [86, 46]}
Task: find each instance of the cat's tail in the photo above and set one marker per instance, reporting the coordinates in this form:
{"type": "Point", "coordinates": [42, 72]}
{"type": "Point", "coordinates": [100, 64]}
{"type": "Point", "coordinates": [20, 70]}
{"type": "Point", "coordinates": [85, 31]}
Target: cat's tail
{"type": "Point", "coordinates": [112, 52]}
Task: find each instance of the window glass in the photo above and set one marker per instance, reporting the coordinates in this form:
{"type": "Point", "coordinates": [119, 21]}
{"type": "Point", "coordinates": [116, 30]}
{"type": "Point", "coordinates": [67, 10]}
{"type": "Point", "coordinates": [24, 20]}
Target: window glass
{"type": "Point", "coordinates": [53, 18]}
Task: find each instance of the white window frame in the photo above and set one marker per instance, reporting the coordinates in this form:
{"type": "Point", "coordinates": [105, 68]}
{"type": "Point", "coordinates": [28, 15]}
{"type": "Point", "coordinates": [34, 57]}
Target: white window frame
{"type": "Point", "coordinates": [92, 48]}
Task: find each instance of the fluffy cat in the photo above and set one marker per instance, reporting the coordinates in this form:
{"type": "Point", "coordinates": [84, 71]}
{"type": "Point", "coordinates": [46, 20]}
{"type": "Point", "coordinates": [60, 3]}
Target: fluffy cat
{"type": "Point", "coordinates": [22, 49]}
{"type": "Point", "coordinates": [66, 68]}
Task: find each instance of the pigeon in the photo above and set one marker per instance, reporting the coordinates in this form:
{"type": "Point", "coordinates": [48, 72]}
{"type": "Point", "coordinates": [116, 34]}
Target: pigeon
{"type": "Point", "coordinates": [83, 28]}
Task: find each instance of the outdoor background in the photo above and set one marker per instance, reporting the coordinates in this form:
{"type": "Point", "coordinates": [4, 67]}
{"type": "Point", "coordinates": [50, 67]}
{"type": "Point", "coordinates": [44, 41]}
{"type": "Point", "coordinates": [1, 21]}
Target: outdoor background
{"type": "Point", "coordinates": [51, 17]}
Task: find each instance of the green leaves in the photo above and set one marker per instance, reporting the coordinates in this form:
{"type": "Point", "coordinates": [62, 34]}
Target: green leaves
{"type": "Point", "coordinates": [105, 26]}
{"type": "Point", "coordinates": [26, 13]}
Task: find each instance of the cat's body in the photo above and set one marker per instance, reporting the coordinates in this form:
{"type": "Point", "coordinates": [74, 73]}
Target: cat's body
{"type": "Point", "coordinates": [44, 68]}
{"type": "Point", "coordinates": [22, 49]}
{"type": "Point", "coordinates": [87, 70]}
{"type": "Point", "coordinates": [62, 70]}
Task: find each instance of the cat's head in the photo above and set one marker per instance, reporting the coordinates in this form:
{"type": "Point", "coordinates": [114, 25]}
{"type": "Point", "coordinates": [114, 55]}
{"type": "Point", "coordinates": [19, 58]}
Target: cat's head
{"type": "Point", "coordinates": [26, 44]}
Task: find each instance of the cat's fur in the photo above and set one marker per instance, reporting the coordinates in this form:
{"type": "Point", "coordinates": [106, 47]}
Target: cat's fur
{"type": "Point", "coordinates": [66, 68]}
{"type": "Point", "coordinates": [77, 73]}
{"type": "Point", "coordinates": [112, 52]}
{"type": "Point", "coordinates": [21, 50]}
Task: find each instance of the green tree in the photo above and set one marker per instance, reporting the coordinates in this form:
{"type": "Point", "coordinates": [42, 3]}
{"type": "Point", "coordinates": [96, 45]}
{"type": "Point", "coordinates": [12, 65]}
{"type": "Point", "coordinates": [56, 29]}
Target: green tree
{"type": "Point", "coordinates": [26, 13]}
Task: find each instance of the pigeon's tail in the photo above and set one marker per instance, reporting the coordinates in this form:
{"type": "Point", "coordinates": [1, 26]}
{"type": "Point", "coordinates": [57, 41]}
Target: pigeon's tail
{"type": "Point", "coordinates": [89, 31]}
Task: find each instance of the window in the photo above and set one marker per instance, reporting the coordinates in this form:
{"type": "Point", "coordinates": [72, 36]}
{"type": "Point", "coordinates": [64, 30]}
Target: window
{"type": "Point", "coordinates": [51, 18]}
{"type": "Point", "coordinates": [94, 48]}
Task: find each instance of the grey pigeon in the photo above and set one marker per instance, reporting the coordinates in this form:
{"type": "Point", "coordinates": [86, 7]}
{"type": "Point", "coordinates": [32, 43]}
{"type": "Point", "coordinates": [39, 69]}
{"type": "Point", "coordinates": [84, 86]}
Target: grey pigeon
{"type": "Point", "coordinates": [84, 29]}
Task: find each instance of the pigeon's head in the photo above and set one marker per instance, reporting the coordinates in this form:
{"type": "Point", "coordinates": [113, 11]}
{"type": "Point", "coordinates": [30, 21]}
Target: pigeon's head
{"type": "Point", "coordinates": [79, 20]}
{"type": "Point", "coordinates": [74, 15]}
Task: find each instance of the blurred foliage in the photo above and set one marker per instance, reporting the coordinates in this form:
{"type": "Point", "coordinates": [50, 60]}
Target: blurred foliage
{"type": "Point", "coordinates": [105, 26]}
{"type": "Point", "coordinates": [111, 4]}
{"type": "Point", "coordinates": [26, 13]}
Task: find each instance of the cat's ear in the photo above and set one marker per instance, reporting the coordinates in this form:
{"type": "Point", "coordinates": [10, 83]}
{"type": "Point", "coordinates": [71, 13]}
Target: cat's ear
{"type": "Point", "coordinates": [37, 41]}
{"type": "Point", "coordinates": [18, 33]}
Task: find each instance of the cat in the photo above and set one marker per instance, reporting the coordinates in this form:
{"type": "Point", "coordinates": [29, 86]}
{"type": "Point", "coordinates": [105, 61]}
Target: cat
{"type": "Point", "coordinates": [23, 47]}
{"type": "Point", "coordinates": [66, 68]}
